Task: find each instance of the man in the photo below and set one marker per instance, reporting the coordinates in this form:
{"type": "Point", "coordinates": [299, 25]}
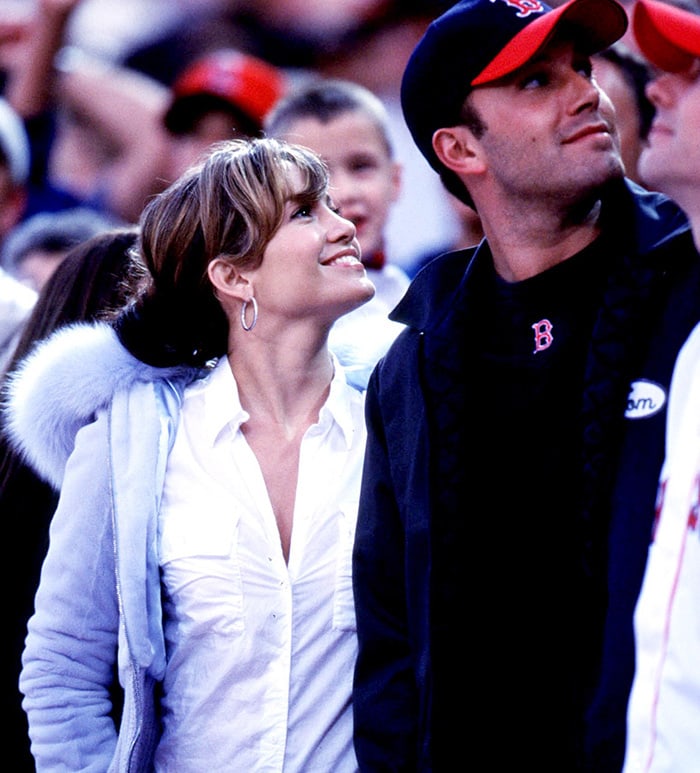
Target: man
{"type": "Point", "coordinates": [516, 427]}
{"type": "Point", "coordinates": [664, 709]}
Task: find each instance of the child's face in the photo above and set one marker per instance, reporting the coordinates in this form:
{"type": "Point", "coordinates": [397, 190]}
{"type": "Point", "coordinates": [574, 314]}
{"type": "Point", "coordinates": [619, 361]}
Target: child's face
{"type": "Point", "coordinates": [365, 182]}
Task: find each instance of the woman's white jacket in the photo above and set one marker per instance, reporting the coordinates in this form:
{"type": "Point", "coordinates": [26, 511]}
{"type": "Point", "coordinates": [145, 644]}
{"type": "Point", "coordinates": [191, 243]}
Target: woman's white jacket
{"type": "Point", "coordinates": [81, 403]}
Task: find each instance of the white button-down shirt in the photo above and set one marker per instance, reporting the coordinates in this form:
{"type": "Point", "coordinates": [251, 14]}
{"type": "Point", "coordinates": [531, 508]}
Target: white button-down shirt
{"type": "Point", "coordinates": [260, 652]}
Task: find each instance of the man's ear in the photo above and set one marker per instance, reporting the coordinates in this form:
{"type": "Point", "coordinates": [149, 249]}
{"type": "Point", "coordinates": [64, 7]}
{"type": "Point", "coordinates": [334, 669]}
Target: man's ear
{"type": "Point", "coordinates": [228, 281]}
{"type": "Point", "coordinates": [457, 148]}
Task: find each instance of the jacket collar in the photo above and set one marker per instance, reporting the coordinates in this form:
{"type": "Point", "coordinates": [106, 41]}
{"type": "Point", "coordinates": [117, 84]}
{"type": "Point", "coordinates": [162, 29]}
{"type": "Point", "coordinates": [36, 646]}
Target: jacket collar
{"type": "Point", "coordinates": [644, 220]}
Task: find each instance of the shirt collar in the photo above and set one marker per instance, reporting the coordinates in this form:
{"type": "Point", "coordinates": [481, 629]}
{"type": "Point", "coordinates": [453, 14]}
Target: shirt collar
{"type": "Point", "coordinates": [338, 406]}
{"type": "Point", "coordinates": [222, 407]}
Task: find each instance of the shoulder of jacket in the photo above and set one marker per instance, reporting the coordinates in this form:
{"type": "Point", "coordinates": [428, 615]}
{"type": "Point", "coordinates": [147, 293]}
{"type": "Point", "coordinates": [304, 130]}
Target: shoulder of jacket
{"type": "Point", "coordinates": [60, 386]}
{"type": "Point", "coordinates": [657, 218]}
{"type": "Point", "coordinates": [433, 288]}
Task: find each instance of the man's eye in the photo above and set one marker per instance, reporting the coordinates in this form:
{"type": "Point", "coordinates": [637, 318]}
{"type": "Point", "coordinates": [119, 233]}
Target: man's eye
{"type": "Point", "coordinates": [584, 65]}
{"type": "Point", "coordinates": [535, 80]}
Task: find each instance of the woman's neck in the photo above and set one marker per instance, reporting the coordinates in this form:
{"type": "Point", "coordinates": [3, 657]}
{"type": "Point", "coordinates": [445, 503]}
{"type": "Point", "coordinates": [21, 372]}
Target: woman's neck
{"type": "Point", "coordinates": [283, 388]}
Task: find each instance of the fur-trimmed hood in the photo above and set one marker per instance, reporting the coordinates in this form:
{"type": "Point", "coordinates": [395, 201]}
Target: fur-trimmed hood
{"type": "Point", "coordinates": [60, 386]}
{"type": "Point", "coordinates": [77, 370]}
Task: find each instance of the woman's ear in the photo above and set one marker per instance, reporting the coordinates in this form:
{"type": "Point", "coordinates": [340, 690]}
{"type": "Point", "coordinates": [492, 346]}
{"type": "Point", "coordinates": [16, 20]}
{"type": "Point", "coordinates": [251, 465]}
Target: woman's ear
{"type": "Point", "coordinates": [228, 280]}
{"type": "Point", "coordinates": [457, 148]}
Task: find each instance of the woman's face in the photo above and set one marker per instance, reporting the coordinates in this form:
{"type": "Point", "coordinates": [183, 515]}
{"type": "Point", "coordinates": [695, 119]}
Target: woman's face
{"type": "Point", "coordinates": [311, 267]}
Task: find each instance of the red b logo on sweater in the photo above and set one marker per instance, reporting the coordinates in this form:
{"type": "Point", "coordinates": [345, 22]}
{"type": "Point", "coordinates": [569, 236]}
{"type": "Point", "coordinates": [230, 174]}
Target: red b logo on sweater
{"type": "Point", "coordinates": [543, 335]}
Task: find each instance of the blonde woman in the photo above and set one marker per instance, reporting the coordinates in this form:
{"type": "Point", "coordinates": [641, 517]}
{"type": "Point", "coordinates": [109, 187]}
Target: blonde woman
{"type": "Point", "coordinates": [203, 536]}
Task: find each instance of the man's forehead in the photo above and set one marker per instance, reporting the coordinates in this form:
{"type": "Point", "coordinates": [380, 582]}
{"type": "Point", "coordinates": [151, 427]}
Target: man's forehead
{"type": "Point", "coordinates": [559, 46]}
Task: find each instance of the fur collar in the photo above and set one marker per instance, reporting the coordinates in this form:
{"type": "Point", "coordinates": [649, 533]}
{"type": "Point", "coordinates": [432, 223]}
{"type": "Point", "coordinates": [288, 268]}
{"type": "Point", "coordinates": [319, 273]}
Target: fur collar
{"type": "Point", "coordinates": [60, 386]}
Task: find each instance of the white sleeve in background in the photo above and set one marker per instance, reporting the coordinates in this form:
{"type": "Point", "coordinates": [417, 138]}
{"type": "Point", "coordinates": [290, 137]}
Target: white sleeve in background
{"type": "Point", "coordinates": [664, 710]}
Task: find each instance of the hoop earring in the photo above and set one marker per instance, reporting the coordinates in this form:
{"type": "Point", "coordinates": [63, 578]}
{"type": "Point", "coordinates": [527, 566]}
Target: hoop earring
{"type": "Point", "coordinates": [244, 307]}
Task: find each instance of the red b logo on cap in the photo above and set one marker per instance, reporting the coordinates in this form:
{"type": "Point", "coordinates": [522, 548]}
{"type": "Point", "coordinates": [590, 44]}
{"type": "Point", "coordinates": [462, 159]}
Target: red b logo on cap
{"type": "Point", "coordinates": [525, 7]}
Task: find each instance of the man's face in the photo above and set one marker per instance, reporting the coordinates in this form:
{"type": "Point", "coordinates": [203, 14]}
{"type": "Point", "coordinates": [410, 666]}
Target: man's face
{"type": "Point", "coordinates": [549, 129]}
{"type": "Point", "coordinates": [671, 162]}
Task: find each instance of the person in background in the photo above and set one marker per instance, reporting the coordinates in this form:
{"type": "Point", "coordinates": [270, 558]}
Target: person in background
{"type": "Point", "coordinates": [16, 304]}
{"type": "Point", "coordinates": [94, 140]}
{"type": "Point", "coordinates": [623, 75]}
{"type": "Point", "coordinates": [14, 168]}
{"type": "Point", "coordinates": [664, 706]}
{"type": "Point", "coordinates": [629, 40]}
{"type": "Point", "coordinates": [347, 126]}
{"type": "Point", "coordinates": [222, 94]}
{"type": "Point", "coordinates": [469, 235]}
{"type": "Point", "coordinates": [35, 247]}
{"type": "Point", "coordinates": [16, 300]}
{"type": "Point", "coordinates": [94, 281]}
{"type": "Point", "coordinates": [208, 451]}
{"type": "Point", "coordinates": [110, 137]}
{"type": "Point", "coordinates": [516, 426]}
{"type": "Point", "coordinates": [374, 54]}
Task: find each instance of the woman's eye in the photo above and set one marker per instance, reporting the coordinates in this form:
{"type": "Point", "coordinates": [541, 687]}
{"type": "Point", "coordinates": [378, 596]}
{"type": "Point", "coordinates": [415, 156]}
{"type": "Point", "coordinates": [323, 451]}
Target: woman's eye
{"type": "Point", "coordinates": [304, 211]}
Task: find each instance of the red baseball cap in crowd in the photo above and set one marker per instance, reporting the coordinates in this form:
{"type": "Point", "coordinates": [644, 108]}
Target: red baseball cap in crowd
{"type": "Point", "coordinates": [225, 79]}
{"type": "Point", "coordinates": [479, 41]}
{"type": "Point", "coordinates": [668, 36]}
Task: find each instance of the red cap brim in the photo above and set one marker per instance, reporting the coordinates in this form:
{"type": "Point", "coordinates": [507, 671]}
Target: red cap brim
{"type": "Point", "coordinates": [668, 36]}
{"type": "Point", "coordinates": [601, 23]}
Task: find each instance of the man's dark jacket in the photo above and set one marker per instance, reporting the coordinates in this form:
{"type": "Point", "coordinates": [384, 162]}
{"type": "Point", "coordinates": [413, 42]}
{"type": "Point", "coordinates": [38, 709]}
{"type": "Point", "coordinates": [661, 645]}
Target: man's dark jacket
{"type": "Point", "coordinates": [431, 690]}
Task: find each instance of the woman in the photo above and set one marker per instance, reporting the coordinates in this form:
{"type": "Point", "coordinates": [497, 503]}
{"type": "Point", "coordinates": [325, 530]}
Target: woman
{"type": "Point", "coordinates": [207, 511]}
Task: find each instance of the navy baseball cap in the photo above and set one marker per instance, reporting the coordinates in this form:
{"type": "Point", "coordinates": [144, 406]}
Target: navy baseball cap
{"type": "Point", "coordinates": [479, 41]}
